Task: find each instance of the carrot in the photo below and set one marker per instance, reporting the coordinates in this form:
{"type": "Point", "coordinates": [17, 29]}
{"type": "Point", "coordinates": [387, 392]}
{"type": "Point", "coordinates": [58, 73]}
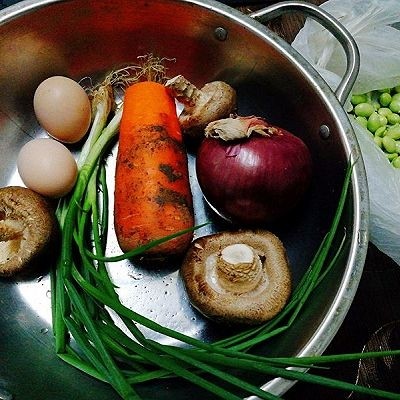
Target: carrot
{"type": "Point", "coordinates": [152, 196]}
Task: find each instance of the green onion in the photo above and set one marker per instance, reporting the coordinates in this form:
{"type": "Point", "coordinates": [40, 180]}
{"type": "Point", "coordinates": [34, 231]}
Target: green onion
{"type": "Point", "coordinates": [67, 214]}
{"type": "Point", "coordinates": [72, 358]}
{"type": "Point", "coordinates": [85, 304]}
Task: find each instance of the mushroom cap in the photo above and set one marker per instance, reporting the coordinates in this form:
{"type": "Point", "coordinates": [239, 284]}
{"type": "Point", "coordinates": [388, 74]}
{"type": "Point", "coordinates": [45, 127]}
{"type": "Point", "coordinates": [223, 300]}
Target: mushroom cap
{"type": "Point", "coordinates": [260, 304]}
{"type": "Point", "coordinates": [27, 226]}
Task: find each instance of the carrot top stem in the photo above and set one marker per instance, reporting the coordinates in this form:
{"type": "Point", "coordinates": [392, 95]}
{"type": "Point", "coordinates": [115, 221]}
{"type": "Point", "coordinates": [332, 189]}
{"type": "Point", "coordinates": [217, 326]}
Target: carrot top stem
{"type": "Point", "coordinates": [149, 68]}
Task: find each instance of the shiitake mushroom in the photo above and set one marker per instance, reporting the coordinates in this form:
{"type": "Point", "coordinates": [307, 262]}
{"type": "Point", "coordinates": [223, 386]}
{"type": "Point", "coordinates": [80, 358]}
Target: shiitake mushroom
{"type": "Point", "coordinates": [215, 100]}
{"type": "Point", "coordinates": [27, 228]}
{"type": "Point", "coordinates": [240, 277]}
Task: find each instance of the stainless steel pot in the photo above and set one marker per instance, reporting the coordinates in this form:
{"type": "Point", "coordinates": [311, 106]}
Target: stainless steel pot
{"type": "Point", "coordinates": [87, 38]}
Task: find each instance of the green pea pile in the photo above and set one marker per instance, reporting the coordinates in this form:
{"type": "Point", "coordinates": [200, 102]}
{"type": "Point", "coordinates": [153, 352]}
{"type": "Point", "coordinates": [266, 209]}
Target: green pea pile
{"type": "Point", "coordinates": [379, 112]}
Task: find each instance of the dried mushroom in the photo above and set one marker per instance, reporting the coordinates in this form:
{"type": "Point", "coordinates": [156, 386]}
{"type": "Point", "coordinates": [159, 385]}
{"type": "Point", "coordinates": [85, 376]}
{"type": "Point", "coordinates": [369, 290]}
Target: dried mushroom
{"type": "Point", "coordinates": [238, 277]}
{"type": "Point", "coordinates": [27, 226]}
{"type": "Point", "coordinates": [213, 101]}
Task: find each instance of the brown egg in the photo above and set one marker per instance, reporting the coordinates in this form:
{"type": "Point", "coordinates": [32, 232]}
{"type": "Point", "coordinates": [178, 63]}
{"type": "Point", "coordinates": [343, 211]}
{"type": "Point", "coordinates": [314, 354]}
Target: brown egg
{"type": "Point", "coordinates": [62, 108]}
{"type": "Point", "coordinates": [47, 167]}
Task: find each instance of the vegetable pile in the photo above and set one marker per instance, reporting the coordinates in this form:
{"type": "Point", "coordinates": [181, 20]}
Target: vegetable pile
{"type": "Point", "coordinates": [86, 305]}
{"type": "Point", "coordinates": [379, 112]}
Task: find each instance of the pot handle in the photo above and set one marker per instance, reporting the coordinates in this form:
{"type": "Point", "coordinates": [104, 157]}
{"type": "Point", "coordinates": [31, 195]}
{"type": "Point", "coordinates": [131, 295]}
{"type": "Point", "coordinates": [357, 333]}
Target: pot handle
{"type": "Point", "coordinates": [332, 25]}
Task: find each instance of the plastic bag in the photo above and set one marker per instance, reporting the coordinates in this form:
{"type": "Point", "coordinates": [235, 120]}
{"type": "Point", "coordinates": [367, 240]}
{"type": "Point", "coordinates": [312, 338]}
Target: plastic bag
{"type": "Point", "coordinates": [371, 24]}
{"type": "Point", "coordinates": [384, 194]}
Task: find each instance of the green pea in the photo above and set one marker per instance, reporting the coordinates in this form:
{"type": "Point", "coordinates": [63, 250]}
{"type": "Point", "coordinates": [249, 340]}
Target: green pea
{"type": "Point", "coordinates": [375, 104]}
{"type": "Point", "coordinates": [393, 118]}
{"type": "Point", "coordinates": [396, 162]}
{"type": "Point", "coordinates": [381, 131]}
{"type": "Point", "coordinates": [358, 99]}
{"type": "Point", "coordinates": [397, 147]}
{"type": "Point", "coordinates": [394, 132]}
{"type": "Point", "coordinates": [385, 99]}
{"type": "Point", "coordinates": [386, 90]}
{"type": "Point", "coordinates": [389, 144]}
{"type": "Point", "coordinates": [378, 141]}
{"type": "Point", "coordinates": [397, 89]}
{"type": "Point", "coordinates": [364, 110]}
{"type": "Point", "coordinates": [395, 105]}
{"type": "Point", "coordinates": [375, 121]}
{"type": "Point", "coordinates": [385, 111]}
{"type": "Point", "coordinates": [391, 156]}
{"type": "Point", "coordinates": [362, 121]}
{"type": "Point", "coordinates": [396, 97]}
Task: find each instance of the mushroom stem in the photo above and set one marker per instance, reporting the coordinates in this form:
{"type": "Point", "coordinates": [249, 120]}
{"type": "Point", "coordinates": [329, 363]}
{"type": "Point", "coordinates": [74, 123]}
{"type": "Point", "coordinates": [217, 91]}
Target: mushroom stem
{"type": "Point", "coordinates": [239, 268]}
{"type": "Point", "coordinates": [27, 228]}
{"type": "Point", "coordinates": [237, 276]}
{"type": "Point", "coordinates": [11, 233]}
{"type": "Point", "coordinates": [184, 91]}
{"type": "Point", "coordinates": [10, 230]}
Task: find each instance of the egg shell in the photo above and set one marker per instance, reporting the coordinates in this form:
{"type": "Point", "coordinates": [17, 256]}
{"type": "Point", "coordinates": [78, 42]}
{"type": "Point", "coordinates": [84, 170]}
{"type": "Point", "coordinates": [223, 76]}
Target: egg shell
{"type": "Point", "coordinates": [47, 167]}
{"type": "Point", "coordinates": [62, 108]}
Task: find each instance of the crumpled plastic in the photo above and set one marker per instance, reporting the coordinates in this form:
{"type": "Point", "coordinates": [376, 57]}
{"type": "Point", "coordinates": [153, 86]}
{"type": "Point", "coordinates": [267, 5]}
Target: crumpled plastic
{"type": "Point", "coordinates": [373, 24]}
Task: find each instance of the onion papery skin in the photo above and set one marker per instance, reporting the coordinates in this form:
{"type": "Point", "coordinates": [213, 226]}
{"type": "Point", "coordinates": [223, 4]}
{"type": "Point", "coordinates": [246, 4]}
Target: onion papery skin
{"type": "Point", "coordinates": [254, 180]}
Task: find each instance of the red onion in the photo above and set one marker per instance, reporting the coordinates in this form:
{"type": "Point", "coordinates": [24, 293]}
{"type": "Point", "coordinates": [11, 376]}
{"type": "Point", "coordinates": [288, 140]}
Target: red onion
{"type": "Point", "coordinates": [255, 179]}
